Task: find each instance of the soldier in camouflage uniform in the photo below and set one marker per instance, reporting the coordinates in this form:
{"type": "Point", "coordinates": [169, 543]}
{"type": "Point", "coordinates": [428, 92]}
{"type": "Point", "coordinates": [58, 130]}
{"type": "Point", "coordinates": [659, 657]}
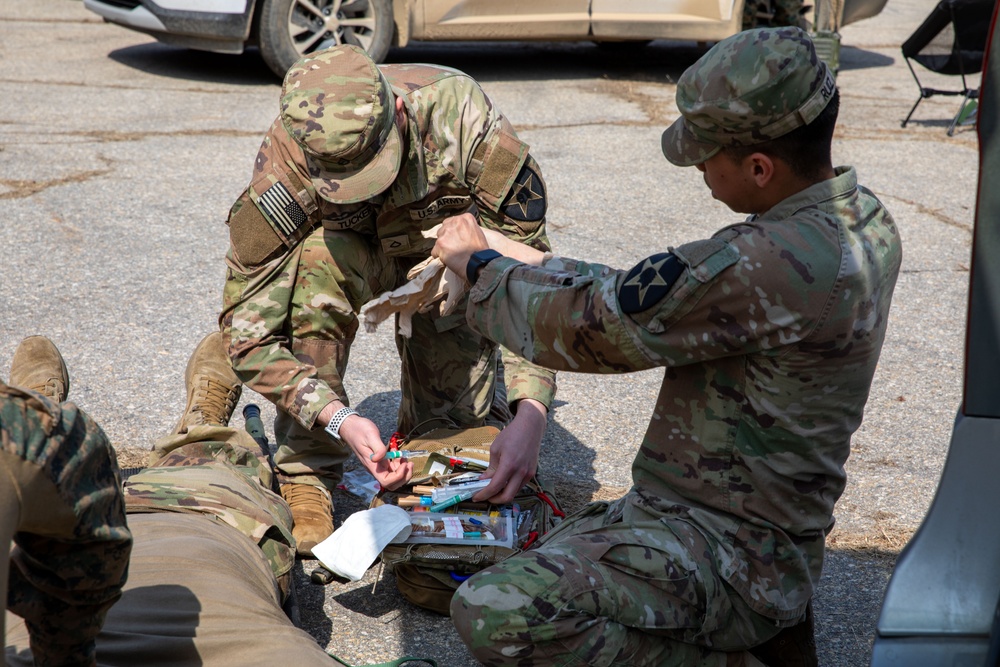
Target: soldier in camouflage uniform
{"type": "Point", "coordinates": [212, 555]}
{"type": "Point", "coordinates": [360, 162]}
{"type": "Point", "coordinates": [774, 13]}
{"type": "Point", "coordinates": [769, 333]}
{"type": "Point", "coordinates": [60, 504]}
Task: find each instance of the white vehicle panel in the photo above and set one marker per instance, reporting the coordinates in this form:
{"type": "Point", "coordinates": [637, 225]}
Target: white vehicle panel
{"type": "Point", "coordinates": [204, 6]}
{"type": "Point", "coordinates": [139, 18]}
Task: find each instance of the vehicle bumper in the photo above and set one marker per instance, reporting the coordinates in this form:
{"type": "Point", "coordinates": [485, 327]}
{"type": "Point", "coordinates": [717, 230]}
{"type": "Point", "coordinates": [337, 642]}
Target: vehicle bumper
{"type": "Point", "coordinates": [220, 31]}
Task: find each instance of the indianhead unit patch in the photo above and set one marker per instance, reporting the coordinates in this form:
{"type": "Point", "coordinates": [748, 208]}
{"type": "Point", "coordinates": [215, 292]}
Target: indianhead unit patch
{"type": "Point", "coordinates": [281, 209]}
{"type": "Point", "coordinates": [526, 200]}
{"type": "Point", "coordinates": [648, 282]}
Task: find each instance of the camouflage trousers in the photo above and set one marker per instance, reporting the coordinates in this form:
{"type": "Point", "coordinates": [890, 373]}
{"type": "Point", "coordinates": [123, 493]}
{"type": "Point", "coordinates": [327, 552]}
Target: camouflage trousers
{"type": "Point", "coordinates": [60, 503]}
{"type": "Point", "coordinates": [773, 14]}
{"type": "Point", "coordinates": [602, 592]}
{"type": "Point", "coordinates": [449, 374]}
{"type": "Point", "coordinates": [219, 472]}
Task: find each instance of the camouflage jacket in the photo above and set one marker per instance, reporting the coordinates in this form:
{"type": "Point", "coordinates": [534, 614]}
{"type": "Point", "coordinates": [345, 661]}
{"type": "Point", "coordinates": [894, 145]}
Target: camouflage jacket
{"type": "Point", "coordinates": [217, 471]}
{"type": "Point", "coordinates": [461, 154]}
{"type": "Point", "coordinates": [70, 557]}
{"type": "Point", "coordinates": [769, 333]}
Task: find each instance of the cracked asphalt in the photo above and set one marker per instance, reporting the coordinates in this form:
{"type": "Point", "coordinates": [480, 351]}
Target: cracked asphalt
{"type": "Point", "coordinates": [120, 158]}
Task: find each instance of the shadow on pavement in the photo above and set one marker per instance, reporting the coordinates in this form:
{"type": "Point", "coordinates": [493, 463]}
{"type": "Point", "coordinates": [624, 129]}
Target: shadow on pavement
{"type": "Point", "coordinates": [246, 69]}
{"type": "Point", "coordinates": [853, 58]}
{"type": "Point", "coordinates": [485, 61]}
{"type": "Point", "coordinates": [531, 61]}
{"type": "Point", "coordinates": [848, 602]}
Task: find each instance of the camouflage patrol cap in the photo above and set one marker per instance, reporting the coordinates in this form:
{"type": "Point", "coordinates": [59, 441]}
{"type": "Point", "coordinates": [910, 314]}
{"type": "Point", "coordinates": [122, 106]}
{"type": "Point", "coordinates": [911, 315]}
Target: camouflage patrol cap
{"type": "Point", "coordinates": [749, 88]}
{"type": "Point", "coordinates": [340, 109]}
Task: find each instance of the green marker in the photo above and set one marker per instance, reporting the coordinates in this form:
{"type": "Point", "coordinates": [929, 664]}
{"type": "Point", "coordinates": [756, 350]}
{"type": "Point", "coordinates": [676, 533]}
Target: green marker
{"type": "Point", "coordinates": [454, 500]}
{"type": "Point", "coordinates": [405, 454]}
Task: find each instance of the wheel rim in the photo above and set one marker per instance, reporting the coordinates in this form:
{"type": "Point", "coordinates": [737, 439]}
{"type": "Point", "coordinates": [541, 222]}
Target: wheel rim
{"type": "Point", "coordinates": [318, 24]}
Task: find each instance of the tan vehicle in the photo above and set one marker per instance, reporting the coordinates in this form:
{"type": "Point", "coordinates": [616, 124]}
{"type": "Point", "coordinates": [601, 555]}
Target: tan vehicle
{"type": "Point", "coordinates": [286, 29]}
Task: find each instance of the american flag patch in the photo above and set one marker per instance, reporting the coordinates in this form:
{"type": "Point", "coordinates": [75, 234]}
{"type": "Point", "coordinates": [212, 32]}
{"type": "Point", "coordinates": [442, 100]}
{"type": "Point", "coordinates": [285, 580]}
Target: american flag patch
{"type": "Point", "coordinates": [281, 209]}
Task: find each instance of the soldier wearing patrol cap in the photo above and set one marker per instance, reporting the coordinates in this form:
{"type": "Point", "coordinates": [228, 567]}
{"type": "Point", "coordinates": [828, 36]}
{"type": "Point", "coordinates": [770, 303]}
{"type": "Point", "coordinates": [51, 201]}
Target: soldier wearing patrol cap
{"type": "Point", "coordinates": [769, 332]}
{"type": "Point", "coordinates": [360, 162]}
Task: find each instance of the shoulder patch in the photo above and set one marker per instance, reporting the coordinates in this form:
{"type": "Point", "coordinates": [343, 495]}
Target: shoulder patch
{"type": "Point", "coordinates": [281, 209]}
{"type": "Point", "coordinates": [648, 282]}
{"type": "Point", "coordinates": [251, 234]}
{"type": "Point", "coordinates": [526, 201]}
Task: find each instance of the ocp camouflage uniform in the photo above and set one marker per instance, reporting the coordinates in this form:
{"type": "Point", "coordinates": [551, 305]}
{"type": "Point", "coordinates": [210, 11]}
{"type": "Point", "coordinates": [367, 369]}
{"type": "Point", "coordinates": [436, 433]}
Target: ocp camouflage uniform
{"type": "Point", "coordinates": [220, 472]}
{"type": "Point", "coordinates": [59, 498]}
{"type": "Point", "coordinates": [769, 333]}
{"type": "Point", "coordinates": [304, 257]}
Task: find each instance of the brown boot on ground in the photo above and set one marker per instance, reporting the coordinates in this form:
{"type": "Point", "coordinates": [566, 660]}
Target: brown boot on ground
{"type": "Point", "coordinates": [312, 513]}
{"type": "Point", "coordinates": [213, 390]}
{"type": "Point", "coordinates": [792, 647]}
{"type": "Point", "coordinates": [38, 366]}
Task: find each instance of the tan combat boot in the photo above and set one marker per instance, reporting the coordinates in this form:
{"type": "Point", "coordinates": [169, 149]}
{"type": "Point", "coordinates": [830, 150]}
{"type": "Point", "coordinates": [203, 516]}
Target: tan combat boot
{"type": "Point", "coordinates": [312, 515]}
{"type": "Point", "coordinates": [213, 390]}
{"type": "Point", "coordinates": [38, 366]}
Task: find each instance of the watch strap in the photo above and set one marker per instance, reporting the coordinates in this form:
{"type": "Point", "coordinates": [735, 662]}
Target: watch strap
{"type": "Point", "coordinates": [479, 259]}
{"type": "Point", "coordinates": [333, 428]}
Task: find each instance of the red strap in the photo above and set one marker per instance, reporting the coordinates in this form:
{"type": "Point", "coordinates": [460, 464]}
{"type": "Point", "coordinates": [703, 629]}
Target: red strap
{"type": "Point", "coordinates": [548, 501]}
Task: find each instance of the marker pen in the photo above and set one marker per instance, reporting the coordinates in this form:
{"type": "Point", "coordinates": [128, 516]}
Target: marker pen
{"type": "Point", "coordinates": [415, 501]}
{"type": "Point", "coordinates": [405, 453]}
{"type": "Point", "coordinates": [454, 500]}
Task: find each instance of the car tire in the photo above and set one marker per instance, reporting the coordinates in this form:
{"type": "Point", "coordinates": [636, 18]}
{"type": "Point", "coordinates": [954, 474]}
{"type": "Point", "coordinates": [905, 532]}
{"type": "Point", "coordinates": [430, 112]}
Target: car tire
{"type": "Point", "coordinates": [288, 30]}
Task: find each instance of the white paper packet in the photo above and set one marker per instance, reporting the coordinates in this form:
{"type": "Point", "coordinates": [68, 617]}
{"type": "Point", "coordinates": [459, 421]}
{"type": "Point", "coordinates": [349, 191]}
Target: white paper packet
{"type": "Point", "coordinates": [354, 546]}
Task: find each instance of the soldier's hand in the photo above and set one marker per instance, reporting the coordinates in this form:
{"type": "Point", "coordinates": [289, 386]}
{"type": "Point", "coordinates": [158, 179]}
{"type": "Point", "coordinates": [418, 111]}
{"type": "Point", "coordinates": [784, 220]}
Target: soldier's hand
{"type": "Point", "coordinates": [362, 436]}
{"type": "Point", "coordinates": [514, 453]}
{"type": "Point", "coordinates": [459, 237]}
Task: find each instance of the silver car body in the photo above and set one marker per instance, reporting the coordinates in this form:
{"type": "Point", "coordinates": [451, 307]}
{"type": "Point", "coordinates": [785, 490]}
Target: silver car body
{"type": "Point", "coordinates": [226, 26]}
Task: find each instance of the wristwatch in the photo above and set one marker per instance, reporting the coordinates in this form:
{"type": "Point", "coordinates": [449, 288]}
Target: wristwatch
{"type": "Point", "coordinates": [333, 428]}
{"type": "Point", "coordinates": [479, 259]}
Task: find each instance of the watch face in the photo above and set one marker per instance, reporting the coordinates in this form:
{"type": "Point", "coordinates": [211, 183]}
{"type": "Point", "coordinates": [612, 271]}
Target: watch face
{"type": "Point", "coordinates": [479, 259]}
{"type": "Point", "coordinates": [483, 256]}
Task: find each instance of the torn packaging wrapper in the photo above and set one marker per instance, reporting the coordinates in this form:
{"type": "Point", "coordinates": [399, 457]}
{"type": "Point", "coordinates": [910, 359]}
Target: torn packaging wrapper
{"type": "Point", "coordinates": [430, 281]}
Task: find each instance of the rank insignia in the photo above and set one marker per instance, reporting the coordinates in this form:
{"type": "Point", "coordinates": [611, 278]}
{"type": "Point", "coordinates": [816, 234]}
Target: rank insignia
{"type": "Point", "coordinates": [526, 200]}
{"type": "Point", "coordinates": [648, 282]}
{"type": "Point", "coordinates": [281, 209]}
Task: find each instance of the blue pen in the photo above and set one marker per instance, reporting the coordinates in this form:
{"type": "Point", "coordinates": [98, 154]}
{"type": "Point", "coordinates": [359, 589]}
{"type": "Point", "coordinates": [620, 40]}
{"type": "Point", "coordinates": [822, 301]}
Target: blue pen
{"type": "Point", "coordinates": [454, 500]}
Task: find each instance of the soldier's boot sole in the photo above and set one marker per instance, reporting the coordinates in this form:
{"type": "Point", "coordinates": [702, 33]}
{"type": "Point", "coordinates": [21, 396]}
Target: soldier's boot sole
{"type": "Point", "coordinates": [213, 389]}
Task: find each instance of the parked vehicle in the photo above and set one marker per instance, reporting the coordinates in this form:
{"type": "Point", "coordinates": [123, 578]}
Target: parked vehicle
{"type": "Point", "coordinates": [942, 604]}
{"type": "Point", "coordinates": [287, 29]}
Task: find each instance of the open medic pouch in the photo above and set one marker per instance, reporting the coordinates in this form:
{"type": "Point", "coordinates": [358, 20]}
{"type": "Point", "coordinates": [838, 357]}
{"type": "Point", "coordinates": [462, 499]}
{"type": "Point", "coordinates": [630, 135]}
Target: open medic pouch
{"type": "Point", "coordinates": [454, 537]}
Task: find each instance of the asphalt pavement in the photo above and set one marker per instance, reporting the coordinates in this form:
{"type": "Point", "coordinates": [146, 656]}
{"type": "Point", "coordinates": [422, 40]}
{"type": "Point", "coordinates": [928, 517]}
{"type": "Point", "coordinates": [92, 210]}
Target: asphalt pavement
{"type": "Point", "coordinates": [120, 158]}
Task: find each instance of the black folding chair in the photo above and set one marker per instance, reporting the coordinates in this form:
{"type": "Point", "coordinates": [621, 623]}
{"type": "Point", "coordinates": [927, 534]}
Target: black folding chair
{"type": "Point", "coordinates": [950, 41]}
